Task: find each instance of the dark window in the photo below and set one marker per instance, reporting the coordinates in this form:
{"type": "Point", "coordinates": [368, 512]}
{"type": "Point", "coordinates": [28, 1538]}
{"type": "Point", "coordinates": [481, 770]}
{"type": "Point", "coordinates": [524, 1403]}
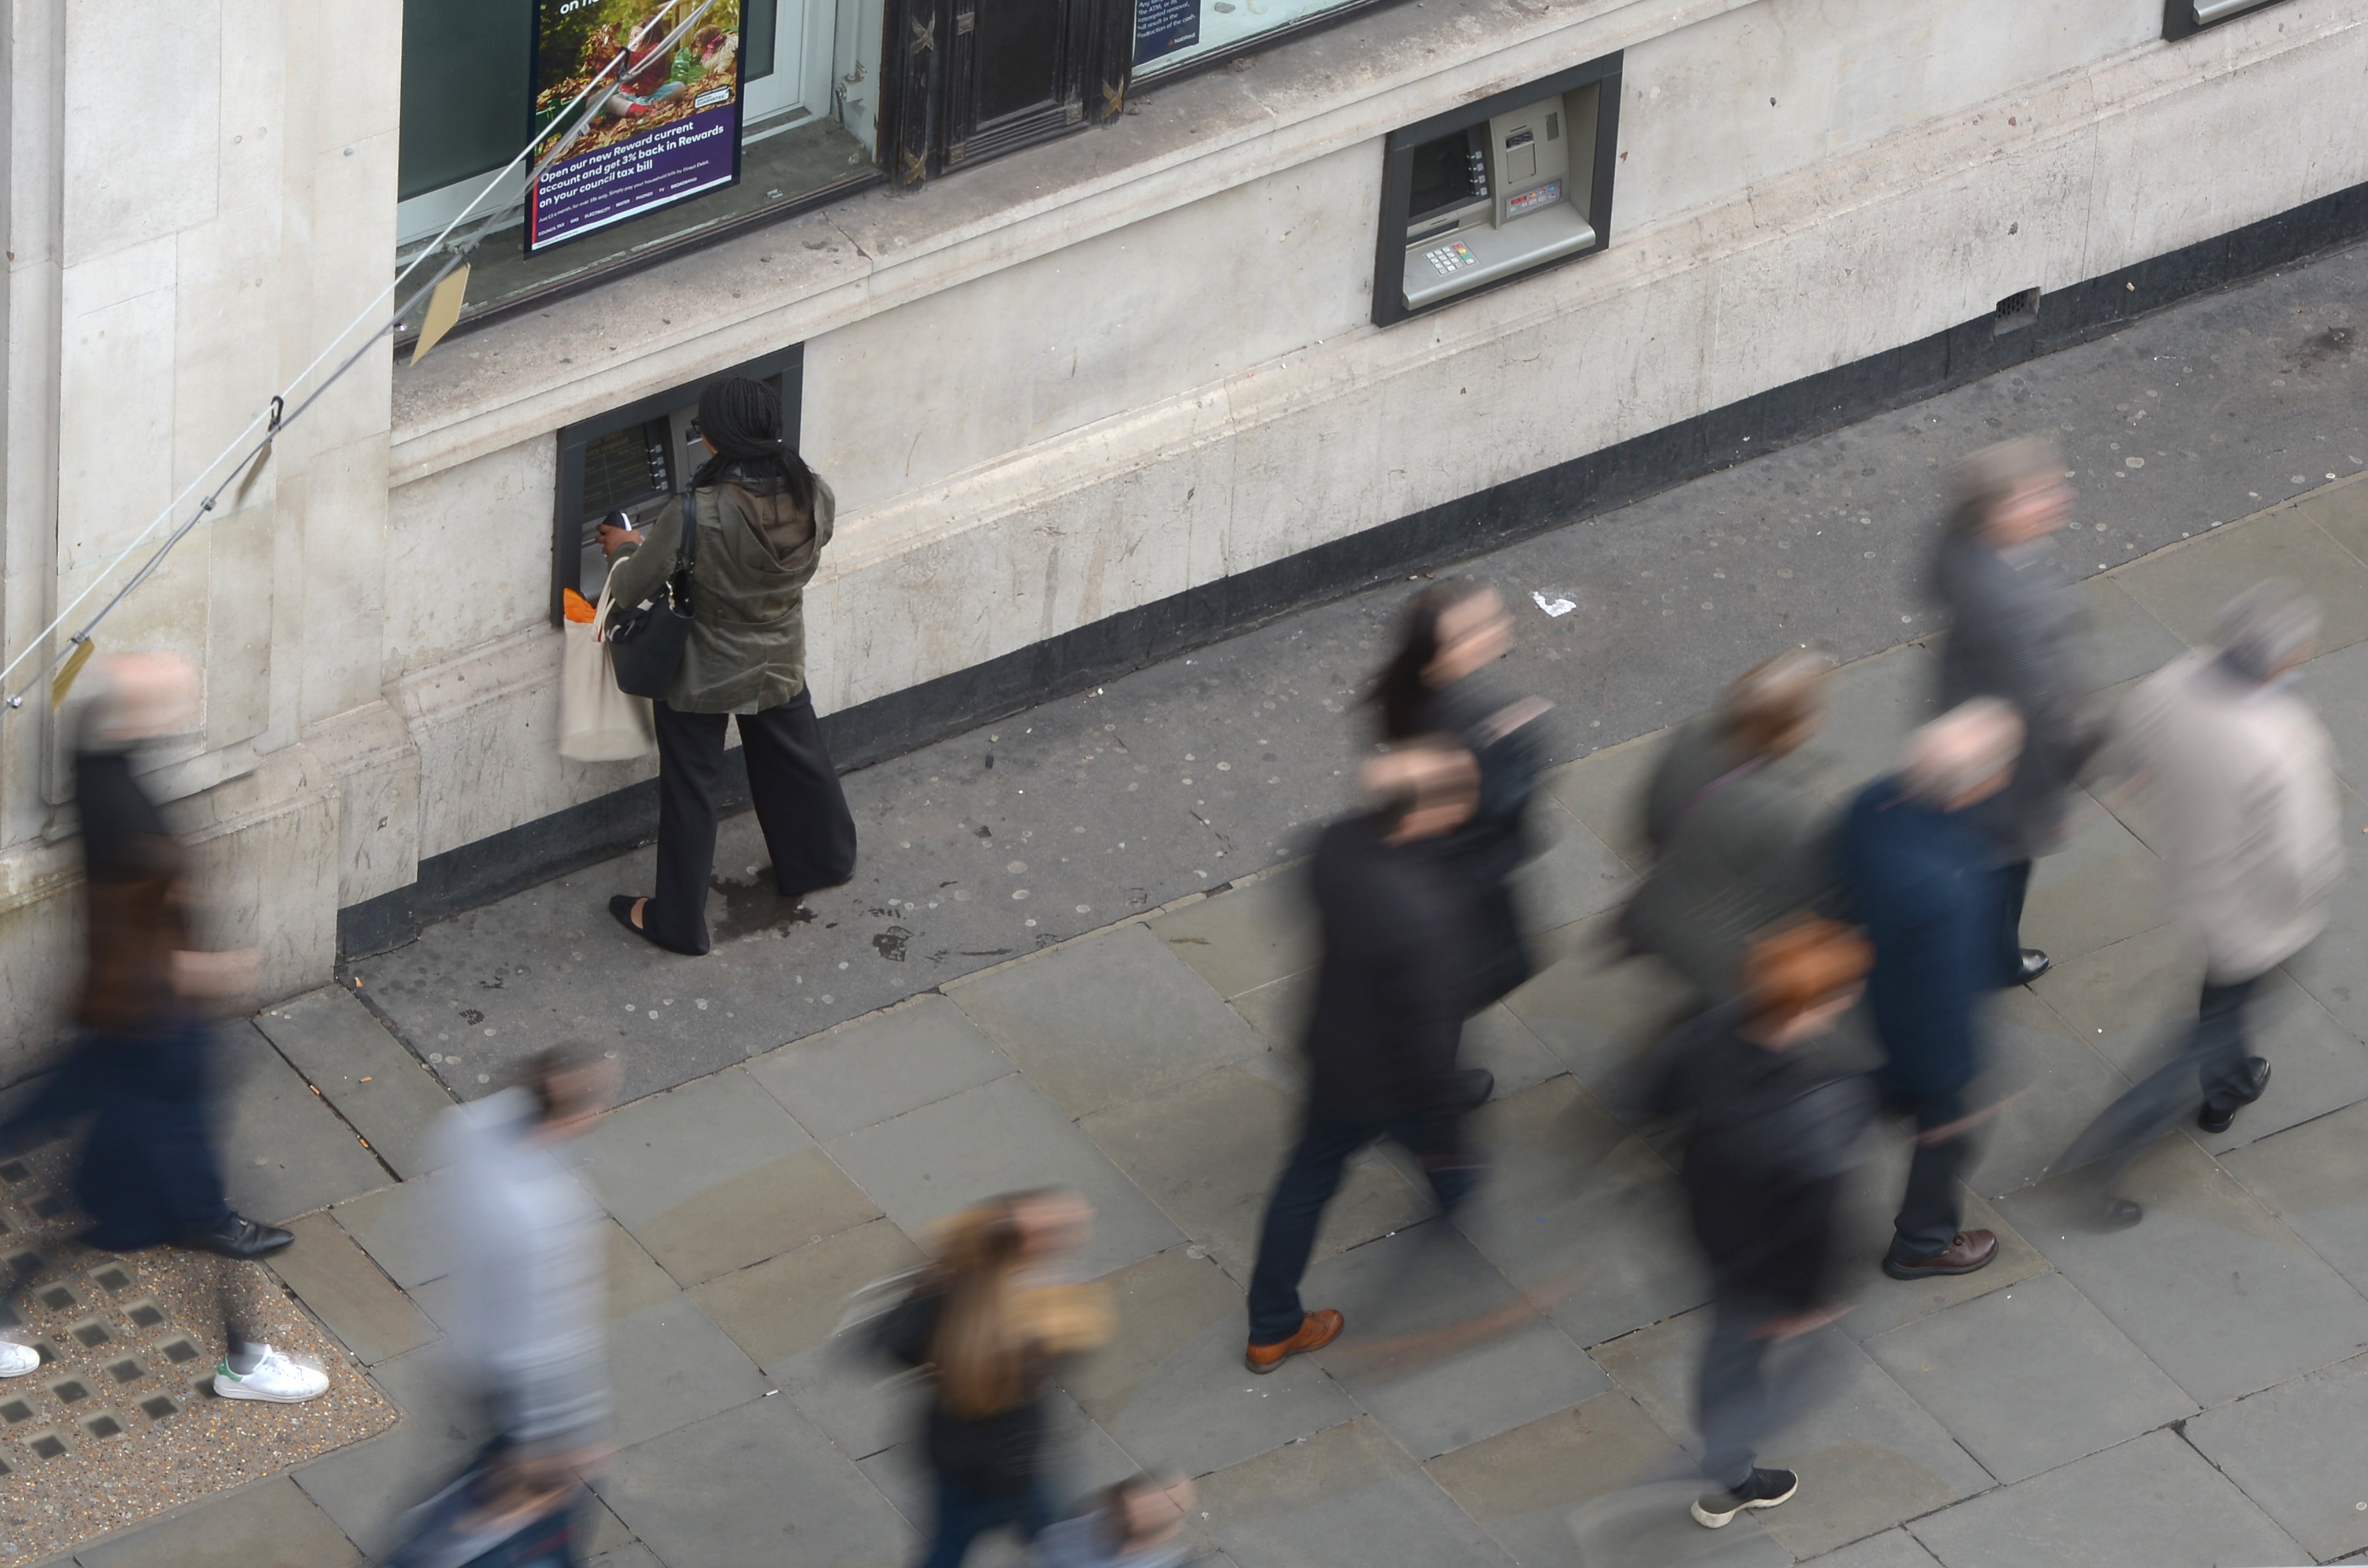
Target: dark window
{"type": "Point", "coordinates": [1496, 191]}
{"type": "Point", "coordinates": [465, 64]}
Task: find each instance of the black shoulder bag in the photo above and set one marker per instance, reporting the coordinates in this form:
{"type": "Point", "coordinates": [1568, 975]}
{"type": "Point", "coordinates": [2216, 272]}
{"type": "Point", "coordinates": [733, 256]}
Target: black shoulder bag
{"type": "Point", "coordinates": [645, 642]}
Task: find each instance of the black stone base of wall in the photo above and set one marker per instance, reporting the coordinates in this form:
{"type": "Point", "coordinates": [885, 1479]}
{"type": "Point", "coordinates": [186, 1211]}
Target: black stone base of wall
{"type": "Point", "coordinates": [509, 862]}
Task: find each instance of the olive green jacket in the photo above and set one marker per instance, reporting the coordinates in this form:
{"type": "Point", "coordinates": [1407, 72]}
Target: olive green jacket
{"type": "Point", "coordinates": [757, 549]}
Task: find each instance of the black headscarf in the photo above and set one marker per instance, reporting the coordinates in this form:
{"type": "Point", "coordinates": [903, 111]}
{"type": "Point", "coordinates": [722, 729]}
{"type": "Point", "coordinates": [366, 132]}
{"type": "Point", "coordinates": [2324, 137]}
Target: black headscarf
{"type": "Point", "coordinates": [742, 420]}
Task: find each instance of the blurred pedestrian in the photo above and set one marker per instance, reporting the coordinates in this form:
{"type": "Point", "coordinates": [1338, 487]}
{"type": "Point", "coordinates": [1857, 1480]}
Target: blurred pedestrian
{"type": "Point", "coordinates": [1772, 1138]}
{"type": "Point", "coordinates": [1918, 875]}
{"type": "Point", "coordinates": [1744, 840]}
{"type": "Point", "coordinates": [1381, 1043]}
{"type": "Point", "coordinates": [763, 518]}
{"type": "Point", "coordinates": [991, 1317]}
{"type": "Point", "coordinates": [145, 1072]}
{"type": "Point", "coordinates": [530, 1314]}
{"type": "Point", "coordinates": [1435, 684]}
{"type": "Point", "coordinates": [2251, 819]}
{"type": "Point", "coordinates": [2014, 633]}
{"type": "Point", "coordinates": [1139, 1523]}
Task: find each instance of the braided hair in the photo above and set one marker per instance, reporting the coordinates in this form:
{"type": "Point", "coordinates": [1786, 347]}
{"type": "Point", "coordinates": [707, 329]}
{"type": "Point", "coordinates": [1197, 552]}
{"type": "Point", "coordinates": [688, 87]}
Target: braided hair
{"type": "Point", "coordinates": [742, 420]}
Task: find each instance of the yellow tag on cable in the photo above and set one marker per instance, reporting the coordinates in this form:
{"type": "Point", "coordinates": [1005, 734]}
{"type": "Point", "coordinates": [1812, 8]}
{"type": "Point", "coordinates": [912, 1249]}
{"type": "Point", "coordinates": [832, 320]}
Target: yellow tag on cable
{"type": "Point", "coordinates": [443, 312]}
{"type": "Point", "coordinates": [65, 679]}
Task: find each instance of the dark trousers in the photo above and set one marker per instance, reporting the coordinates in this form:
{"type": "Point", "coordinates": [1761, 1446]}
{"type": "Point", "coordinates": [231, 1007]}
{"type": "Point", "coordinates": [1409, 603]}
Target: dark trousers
{"type": "Point", "coordinates": [2222, 1055]}
{"type": "Point", "coordinates": [1731, 1403]}
{"type": "Point", "coordinates": [1929, 1216]}
{"type": "Point", "coordinates": [2012, 883]}
{"type": "Point", "coordinates": [1306, 1185]}
{"type": "Point", "coordinates": [965, 1514]}
{"type": "Point", "coordinates": [800, 807]}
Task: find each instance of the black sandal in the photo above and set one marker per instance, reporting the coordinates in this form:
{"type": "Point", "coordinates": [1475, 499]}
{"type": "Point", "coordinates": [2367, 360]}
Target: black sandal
{"type": "Point", "coordinates": [622, 907]}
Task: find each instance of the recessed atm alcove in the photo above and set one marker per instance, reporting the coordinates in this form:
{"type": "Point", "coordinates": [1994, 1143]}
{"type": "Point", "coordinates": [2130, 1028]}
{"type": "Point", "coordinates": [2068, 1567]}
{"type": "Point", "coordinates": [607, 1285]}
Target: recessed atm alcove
{"type": "Point", "coordinates": [1497, 191]}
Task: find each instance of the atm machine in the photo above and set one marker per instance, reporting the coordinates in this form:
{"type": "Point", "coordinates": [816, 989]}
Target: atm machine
{"type": "Point", "coordinates": [1511, 189]}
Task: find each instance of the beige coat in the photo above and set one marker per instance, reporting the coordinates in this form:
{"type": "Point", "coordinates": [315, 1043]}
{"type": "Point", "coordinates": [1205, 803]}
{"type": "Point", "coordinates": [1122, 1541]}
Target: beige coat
{"type": "Point", "coordinates": [2243, 779]}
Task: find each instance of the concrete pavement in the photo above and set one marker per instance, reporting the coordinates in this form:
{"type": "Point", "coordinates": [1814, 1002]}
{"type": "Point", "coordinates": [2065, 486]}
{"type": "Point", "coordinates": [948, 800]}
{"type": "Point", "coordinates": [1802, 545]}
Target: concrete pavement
{"type": "Point", "coordinates": [2193, 1391]}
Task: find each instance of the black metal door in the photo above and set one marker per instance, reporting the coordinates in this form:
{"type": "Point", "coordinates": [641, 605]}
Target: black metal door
{"type": "Point", "coordinates": [1018, 73]}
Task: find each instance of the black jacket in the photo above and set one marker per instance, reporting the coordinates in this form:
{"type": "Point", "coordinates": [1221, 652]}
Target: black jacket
{"type": "Point", "coordinates": [1772, 1136]}
{"type": "Point", "coordinates": [1390, 988]}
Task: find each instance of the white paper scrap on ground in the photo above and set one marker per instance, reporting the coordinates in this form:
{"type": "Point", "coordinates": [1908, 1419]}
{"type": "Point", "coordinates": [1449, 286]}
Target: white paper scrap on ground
{"type": "Point", "coordinates": [1556, 603]}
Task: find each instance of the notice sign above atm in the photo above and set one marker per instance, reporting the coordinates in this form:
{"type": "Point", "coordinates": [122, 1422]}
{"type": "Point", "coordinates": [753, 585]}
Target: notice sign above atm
{"type": "Point", "coordinates": [668, 124]}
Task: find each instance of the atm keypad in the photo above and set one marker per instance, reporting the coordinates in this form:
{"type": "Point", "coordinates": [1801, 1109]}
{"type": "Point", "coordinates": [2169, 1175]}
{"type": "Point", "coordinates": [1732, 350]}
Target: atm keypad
{"type": "Point", "coordinates": [1451, 258]}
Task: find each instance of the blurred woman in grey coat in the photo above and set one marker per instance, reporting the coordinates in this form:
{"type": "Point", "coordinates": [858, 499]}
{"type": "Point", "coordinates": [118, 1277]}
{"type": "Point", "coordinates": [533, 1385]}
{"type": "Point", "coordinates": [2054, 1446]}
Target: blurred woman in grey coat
{"type": "Point", "coordinates": [2014, 633]}
{"type": "Point", "coordinates": [1742, 836]}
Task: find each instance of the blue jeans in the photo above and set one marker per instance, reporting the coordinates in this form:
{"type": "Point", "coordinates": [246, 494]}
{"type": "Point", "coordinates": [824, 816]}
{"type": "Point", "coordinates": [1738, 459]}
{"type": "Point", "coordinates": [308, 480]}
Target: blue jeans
{"type": "Point", "coordinates": [965, 1514]}
{"type": "Point", "coordinates": [1306, 1185]}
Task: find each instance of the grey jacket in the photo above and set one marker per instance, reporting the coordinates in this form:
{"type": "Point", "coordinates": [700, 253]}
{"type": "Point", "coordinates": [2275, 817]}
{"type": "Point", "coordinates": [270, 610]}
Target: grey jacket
{"type": "Point", "coordinates": [757, 549]}
{"type": "Point", "coordinates": [529, 1274]}
{"type": "Point", "coordinates": [2014, 632]}
{"type": "Point", "coordinates": [1739, 853]}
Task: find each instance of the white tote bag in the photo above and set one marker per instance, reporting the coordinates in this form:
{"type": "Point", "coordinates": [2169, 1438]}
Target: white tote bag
{"type": "Point", "coordinates": [597, 722]}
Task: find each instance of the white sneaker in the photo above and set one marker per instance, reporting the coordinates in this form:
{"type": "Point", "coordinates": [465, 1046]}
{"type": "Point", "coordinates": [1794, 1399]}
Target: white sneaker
{"type": "Point", "coordinates": [275, 1378]}
{"type": "Point", "coordinates": [15, 1361]}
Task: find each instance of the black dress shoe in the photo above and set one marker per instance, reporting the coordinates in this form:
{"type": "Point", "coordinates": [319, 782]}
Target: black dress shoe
{"type": "Point", "coordinates": [1477, 1084]}
{"type": "Point", "coordinates": [236, 1235]}
{"type": "Point", "coordinates": [2028, 966]}
{"type": "Point", "coordinates": [2215, 1118]}
{"type": "Point", "coordinates": [2120, 1213]}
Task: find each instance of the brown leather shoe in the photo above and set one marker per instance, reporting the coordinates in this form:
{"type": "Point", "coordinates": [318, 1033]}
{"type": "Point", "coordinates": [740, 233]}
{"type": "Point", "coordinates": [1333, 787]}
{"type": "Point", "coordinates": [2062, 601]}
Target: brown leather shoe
{"type": "Point", "coordinates": [1316, 1330]}
{"type": "Point", "coordinates": [1967, 1251]}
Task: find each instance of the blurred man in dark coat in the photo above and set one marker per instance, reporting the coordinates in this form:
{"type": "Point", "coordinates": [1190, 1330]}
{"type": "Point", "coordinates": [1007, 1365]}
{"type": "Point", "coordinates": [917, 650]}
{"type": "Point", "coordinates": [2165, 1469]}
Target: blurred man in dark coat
{"type": "Point", "coordinates": [1917, 874]}
{"type": "Point", "coordinates": [2014, 633]}
{"type": "Point", "coordinates": [1381, 1045]}
{"type": "Point", "coordinates": [1772, 1138]}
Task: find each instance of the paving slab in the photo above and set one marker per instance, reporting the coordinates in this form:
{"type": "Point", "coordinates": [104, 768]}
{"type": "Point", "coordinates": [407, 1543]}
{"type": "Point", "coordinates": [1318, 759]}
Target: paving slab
{"type": "Point", "coordinates": [396, 1226]}
{"type": "Point", "coordinates": [755, 1484]}
{"type": "Point", "coordinates": [2187, 588]}
{"type": "Point", "coordinates": [1526, 1486]}
{"type": "Point", "coordinates": [1989, 1367]}
{"type": "Point", "coordinates": [1170, 1387]}
{"type": "Point", "coordinates": [1208, 1151]}
{"type": "Point", "coordinates": [1278, 1012]}
{"type": "Point", "coordinates": [367, 1488]}
{"type": "Point", "coordinates": [1105, 1020]}
{"type": "Point", "coordinates": [1892, 1549]}
{"type": "Point", "coordinates": [1440, 1347]}
{"type": "Point", "coordinates": [2342, 510]}
{"type": "Point", "coordinates": [2151, 1503]}
{"type": "Point", "coordinates": [2330, 682]}
{"type": "Point", "coordinates": [269, 1524]}
{"type": "Point", "coordinates": [862, 1073]}
{"type": "Point", "coordinates": [1003, 1136]}
{"type": "Point", "coordinates": [783, 1314]}
{"type": "Point", "coordinates": [283, 1152]}
{"type": "Point", "coordinates": [2315, 1178]}
{"type": "Point", "coordinates": [1600, 1013]}
{"type": "Point", "coordinates": [1496, 1040]}
{"type": "Point", "coordinates": [1251, 933]}
{"type": "Point", "coordinates": [2127, 1000]}
{"type": "Point", "coordinates": [2101, 886]}
{"type": "Point", "coordinates": [1294, 1507]}
{"type": "Point", "coordinates": [2210, 1285]}
{"type": "Point", "coordinates": [343, 1287]}
{"type": "Point", "coordinates": [1580, 1214]}
{"type": "Point", "coordinates": [1082, 1460]}
{"type": "Point", "coordinates": [2295, 1450]}
{"type": "Point", "coordinates": [1605, 791]}
{"type": "Point", "coordinates": [1867, 1455]}
{"type": "Point", "coordinates": [715, 1175]}
{"type": "Point", "coordinates": [370, 1077]}
{"type": "Point", "coordinates": [1573, 876]}
{"type": "Point", "coordinates": [2052, 1084]}
{"type": "Point", "coordinates": [2123, 638]}
{"type": "Point", "coordinates": [671, 1366]}
{"type": "Point", "coordinates": [633, 1281]}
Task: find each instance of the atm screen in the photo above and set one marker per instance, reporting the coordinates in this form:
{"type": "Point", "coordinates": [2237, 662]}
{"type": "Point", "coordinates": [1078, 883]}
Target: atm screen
{"type": "Point", "coordinates": [1442, 175]}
